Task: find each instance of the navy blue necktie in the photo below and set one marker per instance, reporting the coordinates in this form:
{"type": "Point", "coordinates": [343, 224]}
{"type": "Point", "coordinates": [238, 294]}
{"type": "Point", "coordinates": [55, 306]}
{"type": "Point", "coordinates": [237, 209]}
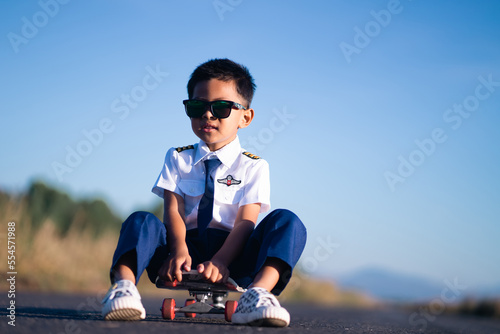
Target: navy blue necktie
{"type": "Point", "coordinates": [206, 206]}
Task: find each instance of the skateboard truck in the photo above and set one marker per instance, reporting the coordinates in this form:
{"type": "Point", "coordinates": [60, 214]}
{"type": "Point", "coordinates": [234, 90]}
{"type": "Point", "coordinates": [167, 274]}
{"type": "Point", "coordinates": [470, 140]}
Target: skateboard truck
{"type": "Point", "coordinates": [202, 297]}
{"type": "Point", "coordinates": [201, 290]}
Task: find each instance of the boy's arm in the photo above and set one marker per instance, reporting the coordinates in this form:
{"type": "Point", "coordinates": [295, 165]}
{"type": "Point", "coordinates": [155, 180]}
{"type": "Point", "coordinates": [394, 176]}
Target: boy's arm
{"type": "Point", "coordinates": [173, 217]}
{"type": "Point", "coordinates": [216, 269]}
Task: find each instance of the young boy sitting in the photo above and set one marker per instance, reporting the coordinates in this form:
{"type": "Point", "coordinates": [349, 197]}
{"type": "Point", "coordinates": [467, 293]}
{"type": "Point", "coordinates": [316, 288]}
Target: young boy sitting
{"type": "Point", "coordinates": [213, 192]}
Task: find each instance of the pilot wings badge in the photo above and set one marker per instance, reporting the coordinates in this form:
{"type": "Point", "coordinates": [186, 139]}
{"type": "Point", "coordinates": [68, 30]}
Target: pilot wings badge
{"type": "Point", "coordinates": [229, 180]}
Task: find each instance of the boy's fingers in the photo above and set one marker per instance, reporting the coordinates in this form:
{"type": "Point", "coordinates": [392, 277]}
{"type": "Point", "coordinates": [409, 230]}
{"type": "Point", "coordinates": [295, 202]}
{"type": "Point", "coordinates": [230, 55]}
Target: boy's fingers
{"type": "Point", "coordinates": [187, 265]}
{"type": "Point", "coordinates": [178, 274]}
{"type": "Point", "coordinates": [206, 270]}
{"type": "Point", "coordinates": [169, 274]}
{"type": "Point", "coordinates": [211, 272]}
{"type": "Point", "coordinates": [216, 276]}
{"type": "Point", "coordinates": [175, 270]}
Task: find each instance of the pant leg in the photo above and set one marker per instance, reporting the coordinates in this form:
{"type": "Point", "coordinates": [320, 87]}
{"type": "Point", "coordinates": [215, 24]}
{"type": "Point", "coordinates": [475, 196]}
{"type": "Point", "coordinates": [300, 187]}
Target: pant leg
{"type": "Point", "coordinates": [281, 235]}
{"type": "Point", "coordinates": [146, 234]}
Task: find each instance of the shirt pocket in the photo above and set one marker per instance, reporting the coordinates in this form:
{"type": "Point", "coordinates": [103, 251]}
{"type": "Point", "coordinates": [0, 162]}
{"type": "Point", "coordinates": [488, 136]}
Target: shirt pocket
{"type": "Point", "coordinates": [192, 188]}
{"type": "Point", "coordinates": [229, 194]}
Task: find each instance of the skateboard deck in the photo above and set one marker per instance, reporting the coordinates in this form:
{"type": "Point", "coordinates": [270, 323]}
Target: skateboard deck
{"type": "Point", "coordinates": [198, 287]}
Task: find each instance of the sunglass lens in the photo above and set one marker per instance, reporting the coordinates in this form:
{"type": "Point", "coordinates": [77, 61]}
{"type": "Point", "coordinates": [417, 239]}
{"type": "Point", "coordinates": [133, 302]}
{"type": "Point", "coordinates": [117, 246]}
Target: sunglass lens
{"type": "Point", "coordinates": [195, 108]}
{"type": "Point", "coordinates": [222, 109]}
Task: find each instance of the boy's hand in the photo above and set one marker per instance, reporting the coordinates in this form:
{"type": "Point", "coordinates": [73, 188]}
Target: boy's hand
{"type": "Point", "coordinates": [174, 265]}
{"type": "Point", "coordinates": [214, 271]}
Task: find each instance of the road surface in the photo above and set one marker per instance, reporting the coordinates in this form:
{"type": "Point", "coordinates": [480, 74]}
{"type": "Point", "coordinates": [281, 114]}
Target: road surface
{"type": "Point", "coordinates": [79, 314]}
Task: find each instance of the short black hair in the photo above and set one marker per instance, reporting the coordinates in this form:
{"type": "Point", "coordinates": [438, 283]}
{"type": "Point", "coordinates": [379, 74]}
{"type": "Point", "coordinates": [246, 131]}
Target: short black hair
{"type": "Point", "coordinates": [224, 70]}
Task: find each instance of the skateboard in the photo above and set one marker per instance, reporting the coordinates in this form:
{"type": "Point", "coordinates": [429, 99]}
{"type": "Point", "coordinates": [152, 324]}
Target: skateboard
{"type": "Point", "coordinates": [201, 290]}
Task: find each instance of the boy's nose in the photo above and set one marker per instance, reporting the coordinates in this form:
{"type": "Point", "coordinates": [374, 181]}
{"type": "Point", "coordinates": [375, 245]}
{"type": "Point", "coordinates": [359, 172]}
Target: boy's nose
{"type": "Point", "coordinates": [208, 114]}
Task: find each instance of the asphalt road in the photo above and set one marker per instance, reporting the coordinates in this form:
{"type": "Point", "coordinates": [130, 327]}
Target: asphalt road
{"type": "Point", "coordinates": [78, 314]}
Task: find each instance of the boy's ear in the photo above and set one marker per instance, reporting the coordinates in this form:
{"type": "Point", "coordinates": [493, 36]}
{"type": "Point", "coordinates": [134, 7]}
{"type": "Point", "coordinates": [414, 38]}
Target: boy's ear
{"type": "Point", "coordinates": [246, 118]}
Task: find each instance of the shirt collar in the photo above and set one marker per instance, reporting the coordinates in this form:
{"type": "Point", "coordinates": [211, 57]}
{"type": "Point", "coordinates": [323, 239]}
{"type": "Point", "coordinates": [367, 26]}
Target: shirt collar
{"type": "Point", "coordinates": [227, 154]}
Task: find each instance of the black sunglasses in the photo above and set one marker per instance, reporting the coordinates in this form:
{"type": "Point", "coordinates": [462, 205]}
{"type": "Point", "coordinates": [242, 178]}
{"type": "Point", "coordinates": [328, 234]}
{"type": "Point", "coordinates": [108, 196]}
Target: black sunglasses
{"type": "Point", "coordinates": [220, 108]}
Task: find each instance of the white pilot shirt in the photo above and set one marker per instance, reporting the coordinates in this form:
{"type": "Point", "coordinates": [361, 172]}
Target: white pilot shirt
{"type": "Point", "coordinates": [239, 180]}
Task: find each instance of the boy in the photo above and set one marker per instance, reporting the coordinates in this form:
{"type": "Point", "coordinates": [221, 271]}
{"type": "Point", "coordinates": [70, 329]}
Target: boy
{"type": "Point", "coordinates": [213, 192]}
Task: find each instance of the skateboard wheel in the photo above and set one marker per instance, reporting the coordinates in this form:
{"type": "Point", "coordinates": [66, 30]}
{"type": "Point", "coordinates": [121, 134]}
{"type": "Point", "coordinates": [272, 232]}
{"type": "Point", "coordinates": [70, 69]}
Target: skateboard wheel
{"type": "Point", "coordinates": [190, 302]}
{"type": "Point", "coordinates": [231, 306]}
{"type": "Point", "coordinates": [168, 309]}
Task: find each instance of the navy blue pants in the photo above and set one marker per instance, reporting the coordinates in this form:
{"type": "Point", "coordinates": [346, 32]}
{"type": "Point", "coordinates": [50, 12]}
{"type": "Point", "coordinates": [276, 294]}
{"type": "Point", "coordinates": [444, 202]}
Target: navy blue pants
{"type": "Point", "coordinates": [279, 235]}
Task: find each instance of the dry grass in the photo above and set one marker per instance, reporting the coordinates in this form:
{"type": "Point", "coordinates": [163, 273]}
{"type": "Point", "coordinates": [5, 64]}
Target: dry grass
{"type": "Point", "coordinates": [489, 308]}
{"type": "Point", "coordinates": [310, 290]}
{"type": "Point", "coordinates": [45, 261]}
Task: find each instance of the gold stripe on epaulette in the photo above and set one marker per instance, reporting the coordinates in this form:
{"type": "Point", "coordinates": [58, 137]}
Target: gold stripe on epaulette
{"type": "Point", "coordinates": [183, 148]}
{"type": "Point", "coordinates": [250, 155]}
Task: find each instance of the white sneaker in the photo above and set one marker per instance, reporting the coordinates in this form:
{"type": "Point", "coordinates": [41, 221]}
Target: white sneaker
{"type": "Point", "coordinates": [123, 302]}
{"type": "Point", "coordinates": [258, 307]}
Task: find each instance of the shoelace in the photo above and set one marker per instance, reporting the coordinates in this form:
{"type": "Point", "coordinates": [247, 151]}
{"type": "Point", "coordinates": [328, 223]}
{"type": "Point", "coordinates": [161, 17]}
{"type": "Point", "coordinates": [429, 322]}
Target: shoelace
{"type": "Point", "coordinates": [117, 290]}
{"type": "Point", "coordinates": [259, 297]}
{"type": "Point", "coordinates": [266, 300]}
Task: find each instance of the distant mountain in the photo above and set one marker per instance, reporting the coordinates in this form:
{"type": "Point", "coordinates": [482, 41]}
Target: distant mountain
{"type": "Point", "coordinates": [390, 286]}
{"type": "Point", "coordinates": [397, 287]}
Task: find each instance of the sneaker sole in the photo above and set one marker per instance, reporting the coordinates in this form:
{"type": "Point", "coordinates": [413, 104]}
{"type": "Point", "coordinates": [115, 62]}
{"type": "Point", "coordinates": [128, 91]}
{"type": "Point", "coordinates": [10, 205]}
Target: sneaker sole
{"type": "Point", "coordinates": [268, 323]}
{"type": "Point", "coordinates": [124, 315]}
{"type": "Point", "coordinates": [277, 317]}
{"type": "Point", "coordinates": [124, 308]}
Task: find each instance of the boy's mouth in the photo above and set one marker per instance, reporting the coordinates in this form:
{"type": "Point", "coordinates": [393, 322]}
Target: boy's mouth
{"type": "Point", "coordinates": [208, 127]}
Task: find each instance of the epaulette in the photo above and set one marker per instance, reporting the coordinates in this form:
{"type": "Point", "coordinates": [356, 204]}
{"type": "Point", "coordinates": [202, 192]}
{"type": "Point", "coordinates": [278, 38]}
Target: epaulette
{"type": "Point", "coordinates": [250, 155]}
{"type": "Point", "coordinates": [183, 148]}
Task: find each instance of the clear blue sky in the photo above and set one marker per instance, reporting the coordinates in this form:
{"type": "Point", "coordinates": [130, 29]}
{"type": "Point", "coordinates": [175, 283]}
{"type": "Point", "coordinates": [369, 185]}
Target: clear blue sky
{"type": "Point", "coordinates": [379, 118]}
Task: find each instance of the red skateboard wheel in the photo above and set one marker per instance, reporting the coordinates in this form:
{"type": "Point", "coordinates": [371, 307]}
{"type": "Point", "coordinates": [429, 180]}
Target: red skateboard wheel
{"type": "Point", "coordinates": [168, 309]}
{"type": "Point", "coordinates": [231, 306]}
{"type": "Point", "coordinates": [190, 302]}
